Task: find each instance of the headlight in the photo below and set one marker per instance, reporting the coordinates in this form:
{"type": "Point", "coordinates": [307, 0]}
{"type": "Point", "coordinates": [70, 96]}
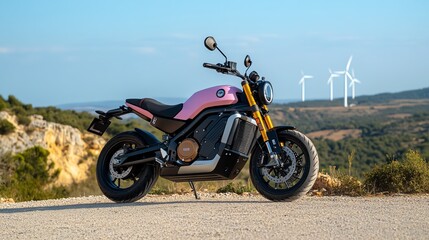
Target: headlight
{"type": "Point", "coordinates": [265, 92]}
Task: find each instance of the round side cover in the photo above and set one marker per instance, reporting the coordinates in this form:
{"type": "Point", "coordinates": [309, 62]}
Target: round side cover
{"type": "Point", "coordinates": [210, 97]}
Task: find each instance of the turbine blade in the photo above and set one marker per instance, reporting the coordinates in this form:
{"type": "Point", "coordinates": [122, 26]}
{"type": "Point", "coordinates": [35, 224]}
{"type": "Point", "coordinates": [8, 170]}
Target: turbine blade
{"type": "Point", "coordinates": [348, 63]}
{"type": "Point", "coordinates": [356, 80]}
{"type": "Point", "coordinates": [349, 76]}
{"type": "Point", "coordinates": [353, 73]}
{"type": "Point", "coordinates": [339, 72]}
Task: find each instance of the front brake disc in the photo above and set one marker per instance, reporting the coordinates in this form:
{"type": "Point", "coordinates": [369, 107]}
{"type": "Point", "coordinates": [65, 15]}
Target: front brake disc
{"type": "Point", "coordinates": [279, 178]}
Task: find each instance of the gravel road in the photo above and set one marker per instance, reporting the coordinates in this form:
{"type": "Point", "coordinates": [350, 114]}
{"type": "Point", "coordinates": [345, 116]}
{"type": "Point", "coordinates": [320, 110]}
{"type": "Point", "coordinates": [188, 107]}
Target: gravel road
{"type": "Point", "coordinates": [218, 216]}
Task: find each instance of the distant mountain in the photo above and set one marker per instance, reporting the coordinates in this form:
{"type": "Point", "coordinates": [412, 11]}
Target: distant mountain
{"type": "Point", "coordinates": [383, 97]}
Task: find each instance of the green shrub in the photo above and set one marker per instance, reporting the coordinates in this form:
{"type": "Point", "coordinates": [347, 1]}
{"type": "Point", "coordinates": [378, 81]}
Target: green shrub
{"type": "Point", "coordinates": [350, 186]}
{"type": "Point", "coordinates": [411, 175]}
{"type": "Point", "coordinates": [3, 103]}
{"type": "Point", "coordinates": [22, 115]}
{"type": "Point", "coordinates": [23, 120]}
{"type": "Point", "coordinates": [29, 177]}
{"type": "Point", "coordinates": [14, 102]}
{"type": "Point", "coordinates": [235, 188]}
{"type": "Point", "coordinates": [6, 127]}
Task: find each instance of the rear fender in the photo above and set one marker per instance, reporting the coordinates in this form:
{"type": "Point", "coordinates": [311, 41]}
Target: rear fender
{"type": "Point", "coordinates": [147, 137]}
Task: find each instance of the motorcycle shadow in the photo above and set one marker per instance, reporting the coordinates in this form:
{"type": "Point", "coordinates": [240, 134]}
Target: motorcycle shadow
{"type": "Point", "coordinates": [118, 205]}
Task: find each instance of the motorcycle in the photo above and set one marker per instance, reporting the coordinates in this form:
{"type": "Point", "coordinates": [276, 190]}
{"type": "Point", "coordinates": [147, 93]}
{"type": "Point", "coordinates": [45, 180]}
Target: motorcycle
{"type": "Point", "coordinates": [211, 136]}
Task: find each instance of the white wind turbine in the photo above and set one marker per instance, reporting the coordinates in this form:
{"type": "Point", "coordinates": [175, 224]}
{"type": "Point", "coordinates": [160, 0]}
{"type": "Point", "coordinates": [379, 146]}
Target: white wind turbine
{"type": "Point", "coordinates": [302, 82]}
{"type": "Point", "coordinates": [346, 75]}
{"type": "Point", "coordinates": [331, 82]}
{"type": "Point", "coordinates": [353, 83]}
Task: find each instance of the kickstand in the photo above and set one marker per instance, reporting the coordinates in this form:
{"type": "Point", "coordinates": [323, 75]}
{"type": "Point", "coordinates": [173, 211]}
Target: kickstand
{"type": "Point", "coordinates": [193, 189]}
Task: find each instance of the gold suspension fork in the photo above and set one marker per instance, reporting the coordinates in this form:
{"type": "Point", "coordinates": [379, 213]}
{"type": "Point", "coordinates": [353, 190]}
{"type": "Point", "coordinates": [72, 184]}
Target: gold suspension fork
{"type": "Point", "coordinates": [264, 122]}
{"type": "Point", "coordinates": [268, 121]}
{"type": "Point", "coordinates": [267, 118]}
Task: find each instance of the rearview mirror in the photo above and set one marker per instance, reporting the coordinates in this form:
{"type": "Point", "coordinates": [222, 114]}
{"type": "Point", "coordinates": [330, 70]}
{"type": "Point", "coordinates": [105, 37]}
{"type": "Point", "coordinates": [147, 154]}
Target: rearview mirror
{"type": "Point", "coordinates": [210, 43]}
{"type": "Point", "coordinates": [247, 61]}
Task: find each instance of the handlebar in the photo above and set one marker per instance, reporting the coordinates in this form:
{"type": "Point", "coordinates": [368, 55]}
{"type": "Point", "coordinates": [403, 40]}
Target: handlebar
{"type": "Point", "coordinates": [225, 69]}
{"type": "Point", "coordinates": [218, 67]}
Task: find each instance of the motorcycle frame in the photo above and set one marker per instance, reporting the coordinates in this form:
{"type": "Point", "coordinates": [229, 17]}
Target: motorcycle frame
{"type": "Point", "coordinates": [260, 114]}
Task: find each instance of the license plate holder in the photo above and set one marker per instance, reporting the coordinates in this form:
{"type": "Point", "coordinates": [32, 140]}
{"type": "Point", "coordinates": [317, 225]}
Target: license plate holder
{"type": "Point", "coordinates": [98, 126]}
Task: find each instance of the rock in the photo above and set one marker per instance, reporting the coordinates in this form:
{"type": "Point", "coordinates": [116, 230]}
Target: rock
{"type": "Point", "coordinates": [325, 183]}
{"type": "Point", "coordinates": [7, 200]}
{"type": "Point", "coordinates": [71, 151]}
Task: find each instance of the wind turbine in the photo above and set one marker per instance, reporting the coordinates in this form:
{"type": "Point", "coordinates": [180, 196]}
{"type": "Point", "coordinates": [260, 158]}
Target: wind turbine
{"type": "Point", "coordinates": [331, 82]}
{"type": "Point", "coordinates": [353, 83]}
{"type": "Point", "coordinates": [302, 82]}
{"type": "Point", "coordinates": [346, 75]}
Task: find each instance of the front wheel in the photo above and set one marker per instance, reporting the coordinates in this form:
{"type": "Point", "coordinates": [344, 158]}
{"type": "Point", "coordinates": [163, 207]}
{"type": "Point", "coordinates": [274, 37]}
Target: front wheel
{"type": "Point", "coordinates": [296, 174]}
{"type": "Point", "coordinates": [124, 184]}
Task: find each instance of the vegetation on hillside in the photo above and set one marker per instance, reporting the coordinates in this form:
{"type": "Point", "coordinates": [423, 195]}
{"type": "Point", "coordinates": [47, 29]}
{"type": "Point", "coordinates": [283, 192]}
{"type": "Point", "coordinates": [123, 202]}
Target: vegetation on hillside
{"type": "Point", "coordinates": [6, 127]}
{"type": "Point", "coordinates": [28, 176]}
{"type": "Point", "coordinates": [384, 132]}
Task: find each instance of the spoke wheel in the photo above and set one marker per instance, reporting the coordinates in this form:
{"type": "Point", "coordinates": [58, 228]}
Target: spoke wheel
{"type": "Point", "coordinates": [295, 176]}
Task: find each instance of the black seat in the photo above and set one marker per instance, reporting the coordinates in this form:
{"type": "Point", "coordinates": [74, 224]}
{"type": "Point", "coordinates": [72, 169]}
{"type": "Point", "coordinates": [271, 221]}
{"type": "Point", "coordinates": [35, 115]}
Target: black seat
{"type": "Point", "coordinates": [156, 108]}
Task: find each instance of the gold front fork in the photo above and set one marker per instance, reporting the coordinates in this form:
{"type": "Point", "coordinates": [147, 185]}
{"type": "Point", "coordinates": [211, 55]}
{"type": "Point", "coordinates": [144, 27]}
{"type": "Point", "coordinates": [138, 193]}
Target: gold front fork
{"type": "Point", "coordinates": [264, 122]}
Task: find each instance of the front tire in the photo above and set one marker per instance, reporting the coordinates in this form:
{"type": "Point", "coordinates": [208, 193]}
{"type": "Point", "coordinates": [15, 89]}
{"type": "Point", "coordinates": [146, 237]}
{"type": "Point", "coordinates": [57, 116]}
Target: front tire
{"type": "Point", "coordinates": [295, 178]}
{"type": "Point", "coordinates": [124, 184]}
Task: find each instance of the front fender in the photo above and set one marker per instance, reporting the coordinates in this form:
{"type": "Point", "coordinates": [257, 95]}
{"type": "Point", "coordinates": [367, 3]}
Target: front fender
{"type": "Point", "coordinates": [277, 129]}
{"type": "Point", "coordinates": [283, 128]}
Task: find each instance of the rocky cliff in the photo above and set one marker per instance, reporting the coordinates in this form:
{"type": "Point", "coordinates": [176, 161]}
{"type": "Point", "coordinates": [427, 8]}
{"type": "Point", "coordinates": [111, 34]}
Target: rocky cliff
{"type": "Point", "coordinates": [72, 151]}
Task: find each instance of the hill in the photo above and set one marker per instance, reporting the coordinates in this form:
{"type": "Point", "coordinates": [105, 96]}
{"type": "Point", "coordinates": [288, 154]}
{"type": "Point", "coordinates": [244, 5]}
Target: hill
{"type": "Point", "coordinates": [381, 98]}
{"type": "Point", "coordinates": [374, 130]}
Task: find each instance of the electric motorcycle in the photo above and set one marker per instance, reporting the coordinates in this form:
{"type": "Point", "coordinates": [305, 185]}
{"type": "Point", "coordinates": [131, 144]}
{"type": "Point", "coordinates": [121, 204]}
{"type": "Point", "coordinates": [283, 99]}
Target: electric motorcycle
{"type": "Point", "coordinates": [211, 136]}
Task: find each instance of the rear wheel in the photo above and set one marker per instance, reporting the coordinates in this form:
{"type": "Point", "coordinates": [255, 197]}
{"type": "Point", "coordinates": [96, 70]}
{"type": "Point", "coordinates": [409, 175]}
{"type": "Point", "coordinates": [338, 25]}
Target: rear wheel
{"type": "Point", "coordinates": [296, 176]}
{"type": "Point", "coordinates": [124, 184]}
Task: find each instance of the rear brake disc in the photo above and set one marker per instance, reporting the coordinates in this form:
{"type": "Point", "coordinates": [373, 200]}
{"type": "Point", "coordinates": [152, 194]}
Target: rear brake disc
{"type": "Point", "coordinates": [118, 172]}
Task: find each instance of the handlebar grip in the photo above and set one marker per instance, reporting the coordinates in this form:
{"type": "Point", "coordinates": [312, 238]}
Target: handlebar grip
{"type": "Point", "coordinates": [218, 67]}
{"type": "Point", "coordinates": [210, 65]}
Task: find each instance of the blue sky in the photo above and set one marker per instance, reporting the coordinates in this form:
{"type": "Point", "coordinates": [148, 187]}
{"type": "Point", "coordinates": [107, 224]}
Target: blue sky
{"type": "Point", "coordinates": [56, 52]}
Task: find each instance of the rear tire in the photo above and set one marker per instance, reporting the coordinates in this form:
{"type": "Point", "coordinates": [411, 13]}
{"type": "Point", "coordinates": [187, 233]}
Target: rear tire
{"type": "Point", "coordinates": [126, 184]}
{"type": "Point", "coordinates": [296, 178]}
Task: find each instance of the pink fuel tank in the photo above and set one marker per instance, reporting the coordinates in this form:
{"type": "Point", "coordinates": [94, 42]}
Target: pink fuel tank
{"type": "Point", "coordinates": [210, 97]}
